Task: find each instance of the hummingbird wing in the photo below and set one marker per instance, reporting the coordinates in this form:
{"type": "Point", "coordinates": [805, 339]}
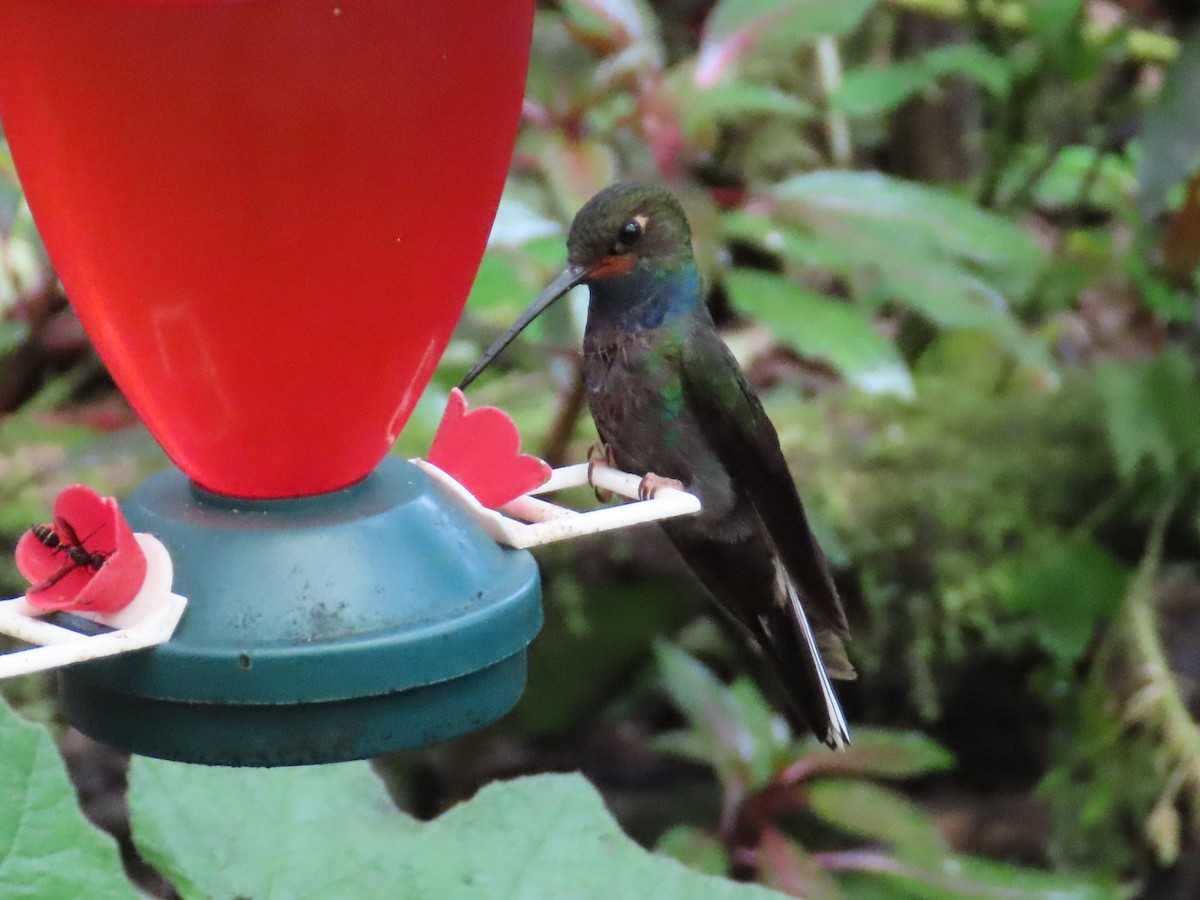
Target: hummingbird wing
{"type": "Point", "coordinates": [738, 430]}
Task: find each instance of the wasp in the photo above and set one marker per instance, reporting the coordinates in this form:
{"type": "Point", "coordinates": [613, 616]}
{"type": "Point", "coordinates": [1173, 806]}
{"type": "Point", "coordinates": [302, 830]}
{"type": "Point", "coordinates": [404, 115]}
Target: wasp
{"type": "Point", "coordinates": [62, 538]}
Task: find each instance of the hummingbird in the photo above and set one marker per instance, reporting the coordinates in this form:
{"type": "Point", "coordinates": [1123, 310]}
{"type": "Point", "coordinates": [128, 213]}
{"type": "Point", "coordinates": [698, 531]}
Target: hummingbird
{"type": "Point", "coordinates": [669, 400]}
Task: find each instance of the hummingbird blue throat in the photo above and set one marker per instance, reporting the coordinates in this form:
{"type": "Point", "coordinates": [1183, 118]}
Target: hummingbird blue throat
{"type": "Point", "coordinates": [670, 401]}
{"type": "Point", "coordinates": [649, 296]}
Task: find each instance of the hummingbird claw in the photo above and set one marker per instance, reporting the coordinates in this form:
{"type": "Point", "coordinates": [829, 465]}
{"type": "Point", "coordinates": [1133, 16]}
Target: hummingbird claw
{"type": "Point", "coordinates": [651, 484]}
{"type": "Point", "coordinates": [600, 454]}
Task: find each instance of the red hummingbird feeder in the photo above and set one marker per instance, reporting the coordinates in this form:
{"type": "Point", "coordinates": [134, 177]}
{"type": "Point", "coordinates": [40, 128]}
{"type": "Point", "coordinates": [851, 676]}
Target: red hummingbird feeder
{"type": "Point", "coordinates": [268, 214]}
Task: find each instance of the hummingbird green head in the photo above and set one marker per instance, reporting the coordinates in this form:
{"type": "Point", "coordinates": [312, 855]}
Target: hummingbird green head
{"type": "Point", "coordinates": [626, 228]}
{"type": "Point", "coordinates": [627, 225]}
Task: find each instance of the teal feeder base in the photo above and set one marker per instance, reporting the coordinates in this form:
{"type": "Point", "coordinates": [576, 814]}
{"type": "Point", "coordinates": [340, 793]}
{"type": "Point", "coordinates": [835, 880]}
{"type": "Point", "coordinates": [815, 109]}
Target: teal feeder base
{"type": "Point", "coordinates": [376, 618]}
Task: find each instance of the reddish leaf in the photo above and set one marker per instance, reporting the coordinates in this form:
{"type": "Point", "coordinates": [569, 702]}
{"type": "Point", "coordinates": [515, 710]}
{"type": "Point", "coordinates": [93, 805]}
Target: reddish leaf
{"type": "Point", "coordinates": [784, 866]}
{"type": "Point", "coordinates": [1181, 247]}
{"type": "Point", "coordinates": [83, 517]}
{"type": "Point", "coordinates": [481, 451]}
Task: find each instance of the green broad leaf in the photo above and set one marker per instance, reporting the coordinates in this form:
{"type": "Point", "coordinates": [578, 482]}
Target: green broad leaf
{"type": "Point", "coordinates": [331, 831]}
{"type": "Point", "coordinates": [47, 847]}
{"type": "Point", "coordinates": [879, 753]}
{"type": "Point", "coordinates": [1067, 591]}
{"type": "Point", "coordinates": [871, 90]}
{"type": "Point", "coordinates": [915, 217]}
{"type": "Point", "coordinates": [1109, 182]}
{"type": "Point", "coordinates": [1172, 388]}
{"type": "Point", "coordinates": [549, 836]}
{"type": "Point", "coordinates": [1051, 18]}
{"type": "Point", "coordinates": [736, 28]}
{"type": "Point", "coordinates": [1152, 411]}
{"type": "Point", "coordinates": [875, 813]}
{"type": "Point", "coordinates": [737, 746]}
{"type": "Point", "coordinates": [955, 298]}
{"type": "Point", "coordinates": [302, 832]}
{"type": "Point", "coordinates": [769, 728]}
{"type": "Point", "coordinates": [784, 865]}
{"type": "Point", "coordinates": [737, 101]}
{"type": "Point", "coordinates": [939, 254]}
{"type": "Point", "coordinates": [823, 327]}
{"type": "Point", "coordinates": [1171, 131]}
{"type": "Point", "coordinates": [974, 61]}
{"type": "Point", "coordinates": [793, 245]}
{"type": "Point", "coordinates": [959, 877]}
{"type": "Point", "coordinates": [1134, 431]}
{"type": "Point", "coordinates": [617, 23]}
{"type": "Point", "coordinates": [694, 848]}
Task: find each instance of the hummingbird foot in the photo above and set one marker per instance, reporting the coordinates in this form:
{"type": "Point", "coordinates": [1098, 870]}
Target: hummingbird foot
{"type": "Point", "coordinates": [651, 484]}
{"type": "Point", "coordinates": [600, 454]}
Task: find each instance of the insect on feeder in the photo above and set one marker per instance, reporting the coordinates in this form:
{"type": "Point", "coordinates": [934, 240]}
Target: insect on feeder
{"type": "Point", "coordinates": [268, 214]}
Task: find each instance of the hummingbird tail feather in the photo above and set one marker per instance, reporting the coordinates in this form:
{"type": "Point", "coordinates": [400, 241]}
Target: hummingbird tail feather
{"type": "Point", "coordinates": [830, 727]}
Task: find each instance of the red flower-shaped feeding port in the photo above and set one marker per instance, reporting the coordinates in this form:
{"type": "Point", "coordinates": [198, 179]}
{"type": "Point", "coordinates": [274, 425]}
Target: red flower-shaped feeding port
{"type": "Point", "coordinates": [88, 559]}
{"type": "Point", "coordinates": [481, 451]}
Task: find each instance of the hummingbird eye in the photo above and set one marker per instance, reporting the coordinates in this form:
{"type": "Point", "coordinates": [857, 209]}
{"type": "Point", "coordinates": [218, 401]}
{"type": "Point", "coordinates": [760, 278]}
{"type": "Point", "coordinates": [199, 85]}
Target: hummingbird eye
{"type": "Point", "coordinates": [630, 234]}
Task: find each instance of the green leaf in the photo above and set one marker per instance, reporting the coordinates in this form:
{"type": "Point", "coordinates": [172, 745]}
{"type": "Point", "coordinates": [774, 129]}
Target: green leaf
{"type": "Point", "coordinates": [307, 831]}
{"type": "Point", "coordinates": [737, 746]}
{"type": "Point", "coordinates": [870, 90]}
{"type": "Point", "coordinates": [737, 101]}
{"type": "Point", "coordinates": [1152, 411]}
{"type": "Point", "coordinates": [784, 865]}
{"type": "Point", "coordinates": [328, 831]}
{"type": "Point", "coordinates": [939, 254]}
{"type": "Point", "coordinates": [791, 244]}
{"type": "Point", "coordinates": [1109, 181]}
{"type": "Point", "coordinates": [957, 877]}
{"type": "Point", "coordinates": [974, 61]}
{"type": "Point", "coordinates": [1068, 590]}
{"type": "Point", "coordinates": [1050, 18]}
{"type": "Point", "coordinates": [735, 28]}
{"type": "Point", "coordinates": [549, 836]}
{"type": "Point", "coordinates": [914, 216]}
{"type": "Point", "coordinates": [47, 847]}
{"type": "Point", "coordinates": [876, 813]}
{"type": "Point", "coordinates": [1171, 131]}
{"type": "Point", "coordinates": [881, 753]}
{"type": "Point", "coordinates": [823, 327]}
{"type": "Point", "coordinates": [694, 848]}
{"type": "Point", "coordinates": [616, 22]}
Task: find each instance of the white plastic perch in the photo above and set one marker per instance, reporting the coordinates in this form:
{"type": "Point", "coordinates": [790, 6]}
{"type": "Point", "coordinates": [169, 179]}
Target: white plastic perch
{"type": "Point", "coordinates": [530, 522]}
{"type": "Point", "coordinates": [149, 619]}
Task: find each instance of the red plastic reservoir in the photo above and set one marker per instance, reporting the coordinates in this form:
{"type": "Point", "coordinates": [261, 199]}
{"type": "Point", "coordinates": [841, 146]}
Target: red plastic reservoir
{"type": "Point", "coordinates": [267, 213]}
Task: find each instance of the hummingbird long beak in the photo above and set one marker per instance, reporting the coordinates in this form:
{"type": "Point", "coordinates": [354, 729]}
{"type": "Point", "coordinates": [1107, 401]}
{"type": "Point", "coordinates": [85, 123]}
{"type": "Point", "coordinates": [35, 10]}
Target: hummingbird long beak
{"type": "Point", "coordinates": [563, 282]}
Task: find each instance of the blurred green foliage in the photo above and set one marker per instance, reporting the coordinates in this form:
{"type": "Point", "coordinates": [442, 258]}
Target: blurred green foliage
{"type": "Point", "coordinates": [955, 246]}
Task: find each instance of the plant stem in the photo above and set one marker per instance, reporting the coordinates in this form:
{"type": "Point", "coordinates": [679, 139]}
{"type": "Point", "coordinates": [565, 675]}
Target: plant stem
{"type": "Point", "coordinates": [1155, 700]}
{"type": "Point", "coordinates": [829, 70]}
{"type": "Point", "coordinates": [562, 429]}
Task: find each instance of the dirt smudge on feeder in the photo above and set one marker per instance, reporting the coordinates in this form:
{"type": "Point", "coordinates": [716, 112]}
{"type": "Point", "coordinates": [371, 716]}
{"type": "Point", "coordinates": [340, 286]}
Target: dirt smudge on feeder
{"type": "Point", "coordinates": [326, 622]}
